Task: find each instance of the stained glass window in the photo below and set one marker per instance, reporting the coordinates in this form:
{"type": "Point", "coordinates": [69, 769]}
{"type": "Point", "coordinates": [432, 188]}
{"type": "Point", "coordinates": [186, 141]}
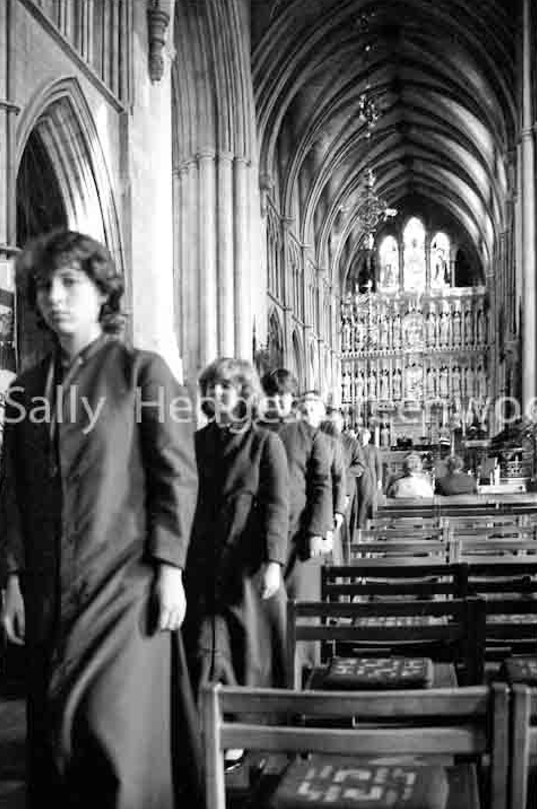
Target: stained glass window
{"type": "Point", "coordinates": [440, 261]}
{"type": "Point", "coordinates": [389, 263]}
{"type": "Point", "coordinates": [414, 254]}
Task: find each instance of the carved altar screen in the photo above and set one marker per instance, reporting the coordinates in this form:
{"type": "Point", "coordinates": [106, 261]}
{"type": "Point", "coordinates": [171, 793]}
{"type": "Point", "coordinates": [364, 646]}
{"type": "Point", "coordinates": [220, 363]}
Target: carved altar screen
{"type": "Point", "coordinates": [414, 353]}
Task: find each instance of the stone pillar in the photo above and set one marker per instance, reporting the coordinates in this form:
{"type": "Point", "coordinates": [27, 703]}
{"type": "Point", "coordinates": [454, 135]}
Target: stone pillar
{"type": "Point", "coordinates": [207, 265]}
{"type": "Point", "coordinates": [187, 276]}
{"type": "Point", "coordinates": [8, 113]}
{"type": "Point", "coordinates": [226, 256]}
{"type": "Point", "coordinates": [243, 287]}
{"type": "Point", "coordinates": [150, 171]}
{"type": "Point", "coordinates": [527, 176]}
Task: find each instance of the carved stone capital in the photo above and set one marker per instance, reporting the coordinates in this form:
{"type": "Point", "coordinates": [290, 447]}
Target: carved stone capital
{"type": "Point", "coordinates": [157, 23]}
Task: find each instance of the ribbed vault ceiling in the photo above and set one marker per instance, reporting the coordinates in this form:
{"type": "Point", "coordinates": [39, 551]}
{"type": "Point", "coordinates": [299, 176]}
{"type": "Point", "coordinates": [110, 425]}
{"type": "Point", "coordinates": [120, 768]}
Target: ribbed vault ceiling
{"type": "Point", "coordinates": [442, 73]}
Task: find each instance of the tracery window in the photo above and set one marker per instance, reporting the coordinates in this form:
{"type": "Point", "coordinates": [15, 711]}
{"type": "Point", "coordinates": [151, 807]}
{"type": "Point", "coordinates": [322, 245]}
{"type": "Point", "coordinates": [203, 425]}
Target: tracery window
{"type": "Point", "coordinates": [440, 274]}
{"type": "Point", "coordinates": [389, 263]}
{"type": "Point", "coordinates": [414, 272]}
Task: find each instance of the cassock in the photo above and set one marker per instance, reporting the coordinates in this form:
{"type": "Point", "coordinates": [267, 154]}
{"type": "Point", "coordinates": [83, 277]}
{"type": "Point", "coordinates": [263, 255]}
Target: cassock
{"type": "Point", "coordinates": [96, 493]}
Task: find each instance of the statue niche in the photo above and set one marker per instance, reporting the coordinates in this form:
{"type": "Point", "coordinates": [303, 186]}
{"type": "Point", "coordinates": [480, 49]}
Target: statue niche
{"type": "Point", "coordinates": [414, 382]}
{"type": "Point", "coordinates": [414, 331]}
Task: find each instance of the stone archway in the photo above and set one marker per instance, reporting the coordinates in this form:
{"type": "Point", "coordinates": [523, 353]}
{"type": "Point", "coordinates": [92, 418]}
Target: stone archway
{"type": "Point", "coordinates": [62, 181]}
{"type": "Point", "coordinates": [40, 208]}
{"type": "Point", "coordinates": [275, 342]}
{"type": "Point", "coordinates": [297, 359]}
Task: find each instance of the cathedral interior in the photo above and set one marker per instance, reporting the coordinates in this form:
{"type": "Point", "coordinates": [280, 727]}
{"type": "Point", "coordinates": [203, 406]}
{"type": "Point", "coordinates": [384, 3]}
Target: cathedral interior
{"type": "Point", "coordinates": [346, 189]}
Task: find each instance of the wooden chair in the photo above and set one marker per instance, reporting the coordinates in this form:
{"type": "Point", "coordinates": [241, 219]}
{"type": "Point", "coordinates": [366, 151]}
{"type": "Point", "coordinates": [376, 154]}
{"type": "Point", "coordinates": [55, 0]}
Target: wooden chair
{"type": "Point", "coordinates": [469, 724]}
{"type": "Point", "coordinates": [404, 529]}
{"type": "Point", "coordinates": [509, 575]}
{"type": "Point", "coordinates": [508, 586]}
{"type": "Point", "coordinates": [494, 544]}
{"type": "Point", "coordinates": [463, 522]}
{"type": "Point", "coordinates": [373, 579]}
{"type": "Point", "coordinates": [523, 748]}
{"type": "Point", "coordinates": [450, 631]}
{"type": "Point", "coordinates": [408, 507]}
{"type": "Point", "coordinates": [368, 545]}
{"type": "Point", "coordinates": [511, 627]}
{"type": "Point", "coordinates": [404, 523]}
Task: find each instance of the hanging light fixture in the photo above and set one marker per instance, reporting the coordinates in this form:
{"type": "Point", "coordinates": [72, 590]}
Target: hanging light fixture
{"type": "Point", "coordinates": [373, 210]}
{"type": "Point", "coordinates": [368, 109]}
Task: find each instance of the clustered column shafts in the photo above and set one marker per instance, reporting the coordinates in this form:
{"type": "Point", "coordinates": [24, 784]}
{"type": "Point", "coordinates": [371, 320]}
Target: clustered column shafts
{"type": "Point", "coordinates": [527, 175]}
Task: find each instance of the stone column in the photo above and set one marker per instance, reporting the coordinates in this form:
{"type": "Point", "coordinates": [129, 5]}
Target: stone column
{"type": "Point", "coordinates": [207, 266]}
{"type": "Point", "coordinates": [243, 290]}
{"type": "Point", "coordinates": [187, 276]}
{"type": "Point", "coordinates": [527, 176]}
{"type": "Point", "coordinates": [226, 255]}
{"type": "Point", "coordinates": [150, 171]}
{"type": "Point", "coordinates": [8, 113]}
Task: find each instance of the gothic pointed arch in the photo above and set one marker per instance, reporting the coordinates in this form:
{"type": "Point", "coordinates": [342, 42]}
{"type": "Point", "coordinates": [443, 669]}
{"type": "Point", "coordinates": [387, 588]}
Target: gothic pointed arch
{"type": "Point", "coordinates": [62, 181]}
{"type": "Point", "coordinates": [275, 341]}
{"type": "Point", "coordinates": [297, 358]}
{"type": "Point", "coordinates": [61, 117]}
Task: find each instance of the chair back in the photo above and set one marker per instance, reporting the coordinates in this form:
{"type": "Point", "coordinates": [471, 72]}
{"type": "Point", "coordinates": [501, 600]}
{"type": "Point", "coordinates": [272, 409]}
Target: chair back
{"type": "Point", "coordinates": [373, 579]}
{"type": "Point", "coordinates": [523, 744]}
{"type": "Point", "coordinates": [469, 722]}
{"type": "Point", "coordinates": [450, 630]}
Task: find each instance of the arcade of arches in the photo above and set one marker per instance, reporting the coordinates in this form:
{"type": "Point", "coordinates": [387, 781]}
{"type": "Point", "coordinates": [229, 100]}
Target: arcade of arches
{"type": "Point", "coordinates": [345, 188]}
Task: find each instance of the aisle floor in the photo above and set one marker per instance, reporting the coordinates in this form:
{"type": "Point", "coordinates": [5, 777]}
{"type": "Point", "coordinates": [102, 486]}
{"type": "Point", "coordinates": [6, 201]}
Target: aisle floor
{"type": "Point", "coordinates": [12, 733]}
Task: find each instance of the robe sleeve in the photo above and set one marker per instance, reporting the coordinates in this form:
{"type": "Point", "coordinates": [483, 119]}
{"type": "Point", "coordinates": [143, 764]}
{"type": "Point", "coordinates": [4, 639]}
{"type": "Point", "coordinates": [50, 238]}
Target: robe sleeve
{"type": "Point", "coordinates": [11, 537]}
{"type": "Point", "coordinates": [339, 479]}
{"type": "Point", "coordinates": [356, 466]}
{"type": "Point", "coordinates": [167, 431]}
{"type": "Point", "coordinates": [274, 498]}
{"type": "Point", "coordinates": [319, 488]}
{"type": "Point", "coordinates": [378, 464]}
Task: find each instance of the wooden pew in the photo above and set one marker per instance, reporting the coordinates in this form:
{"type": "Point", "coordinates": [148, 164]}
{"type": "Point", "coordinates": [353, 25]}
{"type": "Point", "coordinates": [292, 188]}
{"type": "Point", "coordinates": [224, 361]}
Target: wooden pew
{"type": "Point", "coordinates": [449, 631]}
{"type": "Point", "coordinates": [469, 724]}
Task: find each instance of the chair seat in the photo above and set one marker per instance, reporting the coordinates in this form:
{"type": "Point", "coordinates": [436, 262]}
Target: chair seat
{"type": "Point", "coordinates": [520, 669]}
{"type": "Point", "coordinates": [437, 786]}
{"type": "Point", "coordinates": [360, 673]}
{"type": "Point", "coordinates": [397, 621]}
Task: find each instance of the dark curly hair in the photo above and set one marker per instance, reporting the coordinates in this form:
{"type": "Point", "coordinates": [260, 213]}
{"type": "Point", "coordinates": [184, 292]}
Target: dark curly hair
{"type": "Point", "coordinates": [279, 381]}
{"type": "Point", "coordinates": [239, 373]}
{"type": "Point", "coordinates": [62, 248]}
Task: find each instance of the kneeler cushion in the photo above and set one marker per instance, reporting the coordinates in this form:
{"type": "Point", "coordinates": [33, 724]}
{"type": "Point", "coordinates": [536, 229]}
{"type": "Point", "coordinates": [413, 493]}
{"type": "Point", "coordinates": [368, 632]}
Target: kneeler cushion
{"type": "Point", "coordinates": [359, 673]}
{"type": "Point", "coordinates": [520, 670]}
{"type": "Point", "coordinates": [347, 783]}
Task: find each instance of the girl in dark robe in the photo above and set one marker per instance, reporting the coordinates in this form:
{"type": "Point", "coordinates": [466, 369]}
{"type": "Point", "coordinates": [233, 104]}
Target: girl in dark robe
{"type": "Point", "coordinates": [98, 494]}
{"type": "Point", "coordinates": [310, 497]}
{"type": "Point", "coordinates": [310, 485]}
{"type": "Point", "coordinates": [235, 626]}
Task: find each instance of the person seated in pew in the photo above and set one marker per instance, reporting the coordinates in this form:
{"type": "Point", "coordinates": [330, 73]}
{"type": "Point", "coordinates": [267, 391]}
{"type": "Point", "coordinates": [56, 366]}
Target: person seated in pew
{"type": "Point", "coordinates": [456, 481]}
{"type": "Point", "coordinates": [413, 483]}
